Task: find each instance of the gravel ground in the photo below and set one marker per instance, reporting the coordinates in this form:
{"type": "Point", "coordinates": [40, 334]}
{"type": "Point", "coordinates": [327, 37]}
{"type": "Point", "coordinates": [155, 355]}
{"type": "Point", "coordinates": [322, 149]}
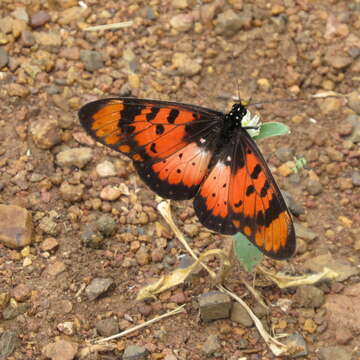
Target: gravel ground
{"type": "Point", "coordinates": [79, 231]}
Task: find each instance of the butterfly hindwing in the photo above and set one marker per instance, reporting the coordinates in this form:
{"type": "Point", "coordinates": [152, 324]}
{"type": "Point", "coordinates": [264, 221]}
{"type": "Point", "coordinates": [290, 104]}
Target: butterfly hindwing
{"type": "Point", "coordinates": [170, 143]}
{"type": "Point", "coordinates": [240, 194]}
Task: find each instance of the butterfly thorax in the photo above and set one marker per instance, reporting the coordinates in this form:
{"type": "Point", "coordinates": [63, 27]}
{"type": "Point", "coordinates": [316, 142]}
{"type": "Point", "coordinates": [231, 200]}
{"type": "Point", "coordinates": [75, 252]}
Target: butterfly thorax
{"type": "Point", "coordinates": [232, 122]}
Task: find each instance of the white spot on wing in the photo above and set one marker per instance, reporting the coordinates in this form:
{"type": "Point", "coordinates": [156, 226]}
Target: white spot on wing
{"type": "Point", "coordinates": [220, 165]}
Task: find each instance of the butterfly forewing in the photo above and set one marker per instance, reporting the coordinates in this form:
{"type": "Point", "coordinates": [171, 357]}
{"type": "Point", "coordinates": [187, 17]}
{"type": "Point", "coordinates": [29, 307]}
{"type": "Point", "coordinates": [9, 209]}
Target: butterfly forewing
{"type": "Point", "coordinates": [171, 144]}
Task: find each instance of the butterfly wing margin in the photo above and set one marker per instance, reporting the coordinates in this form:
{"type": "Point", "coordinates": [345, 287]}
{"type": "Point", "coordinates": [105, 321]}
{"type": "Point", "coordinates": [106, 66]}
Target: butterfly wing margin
{"type": "Point", "coordinates": [240, 194]}
{"type": "Point", "coordinates": [170, 144]}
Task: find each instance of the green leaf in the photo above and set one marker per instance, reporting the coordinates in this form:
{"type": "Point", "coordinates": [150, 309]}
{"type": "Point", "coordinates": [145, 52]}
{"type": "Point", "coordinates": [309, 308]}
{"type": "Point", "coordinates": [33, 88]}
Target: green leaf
{"type": "Point", "coordinates": [248, 254]}
{"type": "Point", "coordinates": [272, 129]}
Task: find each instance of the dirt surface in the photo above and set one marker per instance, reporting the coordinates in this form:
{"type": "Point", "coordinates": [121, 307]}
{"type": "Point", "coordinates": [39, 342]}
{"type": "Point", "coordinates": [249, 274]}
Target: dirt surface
{"type": "Point", "coordinates": [93, 218]}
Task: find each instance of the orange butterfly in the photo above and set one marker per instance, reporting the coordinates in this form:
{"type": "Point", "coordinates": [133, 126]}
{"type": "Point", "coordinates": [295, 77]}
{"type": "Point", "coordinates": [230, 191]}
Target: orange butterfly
{"type": "Point", "coordinates": [184, 151]}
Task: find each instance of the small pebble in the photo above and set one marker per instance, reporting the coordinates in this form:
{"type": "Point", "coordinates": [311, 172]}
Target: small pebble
{"type": "Point", "coordinates": [107, 327]}
{"type": "Point", "coordinates": [21, 292]}
{"type": "Point", "coordinates": [110, 193]}
{"type": "Point", "coordinates": [106, 169]}
{"type": "Point", "coordinates": [77, 157]}
{"type": "Point", "coordinates": [97, 287]}
{"type": "Point", "coordinates": [309, 296]}
{"type": "Point", "coordinates": [135, 352]}
{"type": "Point", "coordinates": [61, 349]}
{"type": "Point", "coordinates": [39, 18]}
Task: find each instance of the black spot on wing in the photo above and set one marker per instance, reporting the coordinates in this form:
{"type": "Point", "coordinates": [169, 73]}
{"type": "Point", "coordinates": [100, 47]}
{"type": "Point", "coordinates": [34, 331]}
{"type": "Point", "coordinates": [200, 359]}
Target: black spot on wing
{"type": "Point", "coordinates": [152, 114]}
{"type": "Point", "coordinates": [174, 113]}
{"type": "Point", "coordinates": [153, 148]}
{"type": "Point", "coordinates": [160, 129]}
{"type": "Point", "coordinates": [257, 170]}
{"type": "Point", "coordinates": [249, 190]}
{"type": "Point", "coordinates": [264, 189]}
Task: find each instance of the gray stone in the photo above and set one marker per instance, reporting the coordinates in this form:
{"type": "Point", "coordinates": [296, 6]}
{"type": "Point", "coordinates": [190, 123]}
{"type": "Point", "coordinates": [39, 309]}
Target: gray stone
{"type": "Point", "coordinates": [185, 261]}
{"type": "Point", "coordinates": [92, 60]}
{"type": "Point", "coordinates": [106, 224]}
{"type": "Point", "coordinates": [240, 315]}
{"type": "Point", "coordinates": [214, 305]}
{"type": "Point", "coordinates": [97, 287]}
{"type": "Point", "coordinates": [91, 238]}
{"type": "Point", "coordinates": [135, 352]}
{"type": "Point", "coordinates": [309, 296]}
{"type": "Point", "coordinates": [8, 343]}
{"type": "Point", "coordinates": [259, 310]}
{"type": "Point", "coordinates": [313, 186]}
{"type": "Point", "coordinates": [304, 233]}
{"type": "Point", "coordinates": [107, 327]}
{"type": "Point", "coordinates": [294, 207]}
{"type": "Point", "coordinates": [297, 342]}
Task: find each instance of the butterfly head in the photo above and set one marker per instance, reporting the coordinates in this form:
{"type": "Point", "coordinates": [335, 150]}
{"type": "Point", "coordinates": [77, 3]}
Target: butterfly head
{"type": "Point", "coordinates": [240, 116]}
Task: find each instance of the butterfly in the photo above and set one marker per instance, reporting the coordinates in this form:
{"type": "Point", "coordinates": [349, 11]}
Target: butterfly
{"type": "Point", "coordinates": [185, 151]}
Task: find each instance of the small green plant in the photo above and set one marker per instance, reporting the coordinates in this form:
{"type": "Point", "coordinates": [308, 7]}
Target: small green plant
{"type": "Point", "coordinates": [299, 164]}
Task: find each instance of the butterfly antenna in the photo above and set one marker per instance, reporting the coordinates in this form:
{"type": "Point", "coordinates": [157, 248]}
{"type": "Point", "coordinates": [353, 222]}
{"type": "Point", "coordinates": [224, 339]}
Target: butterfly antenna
{"type": "Point", "coordinates": [236, 78]}
{"type": "Point", "coordinates": [238, 89]}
